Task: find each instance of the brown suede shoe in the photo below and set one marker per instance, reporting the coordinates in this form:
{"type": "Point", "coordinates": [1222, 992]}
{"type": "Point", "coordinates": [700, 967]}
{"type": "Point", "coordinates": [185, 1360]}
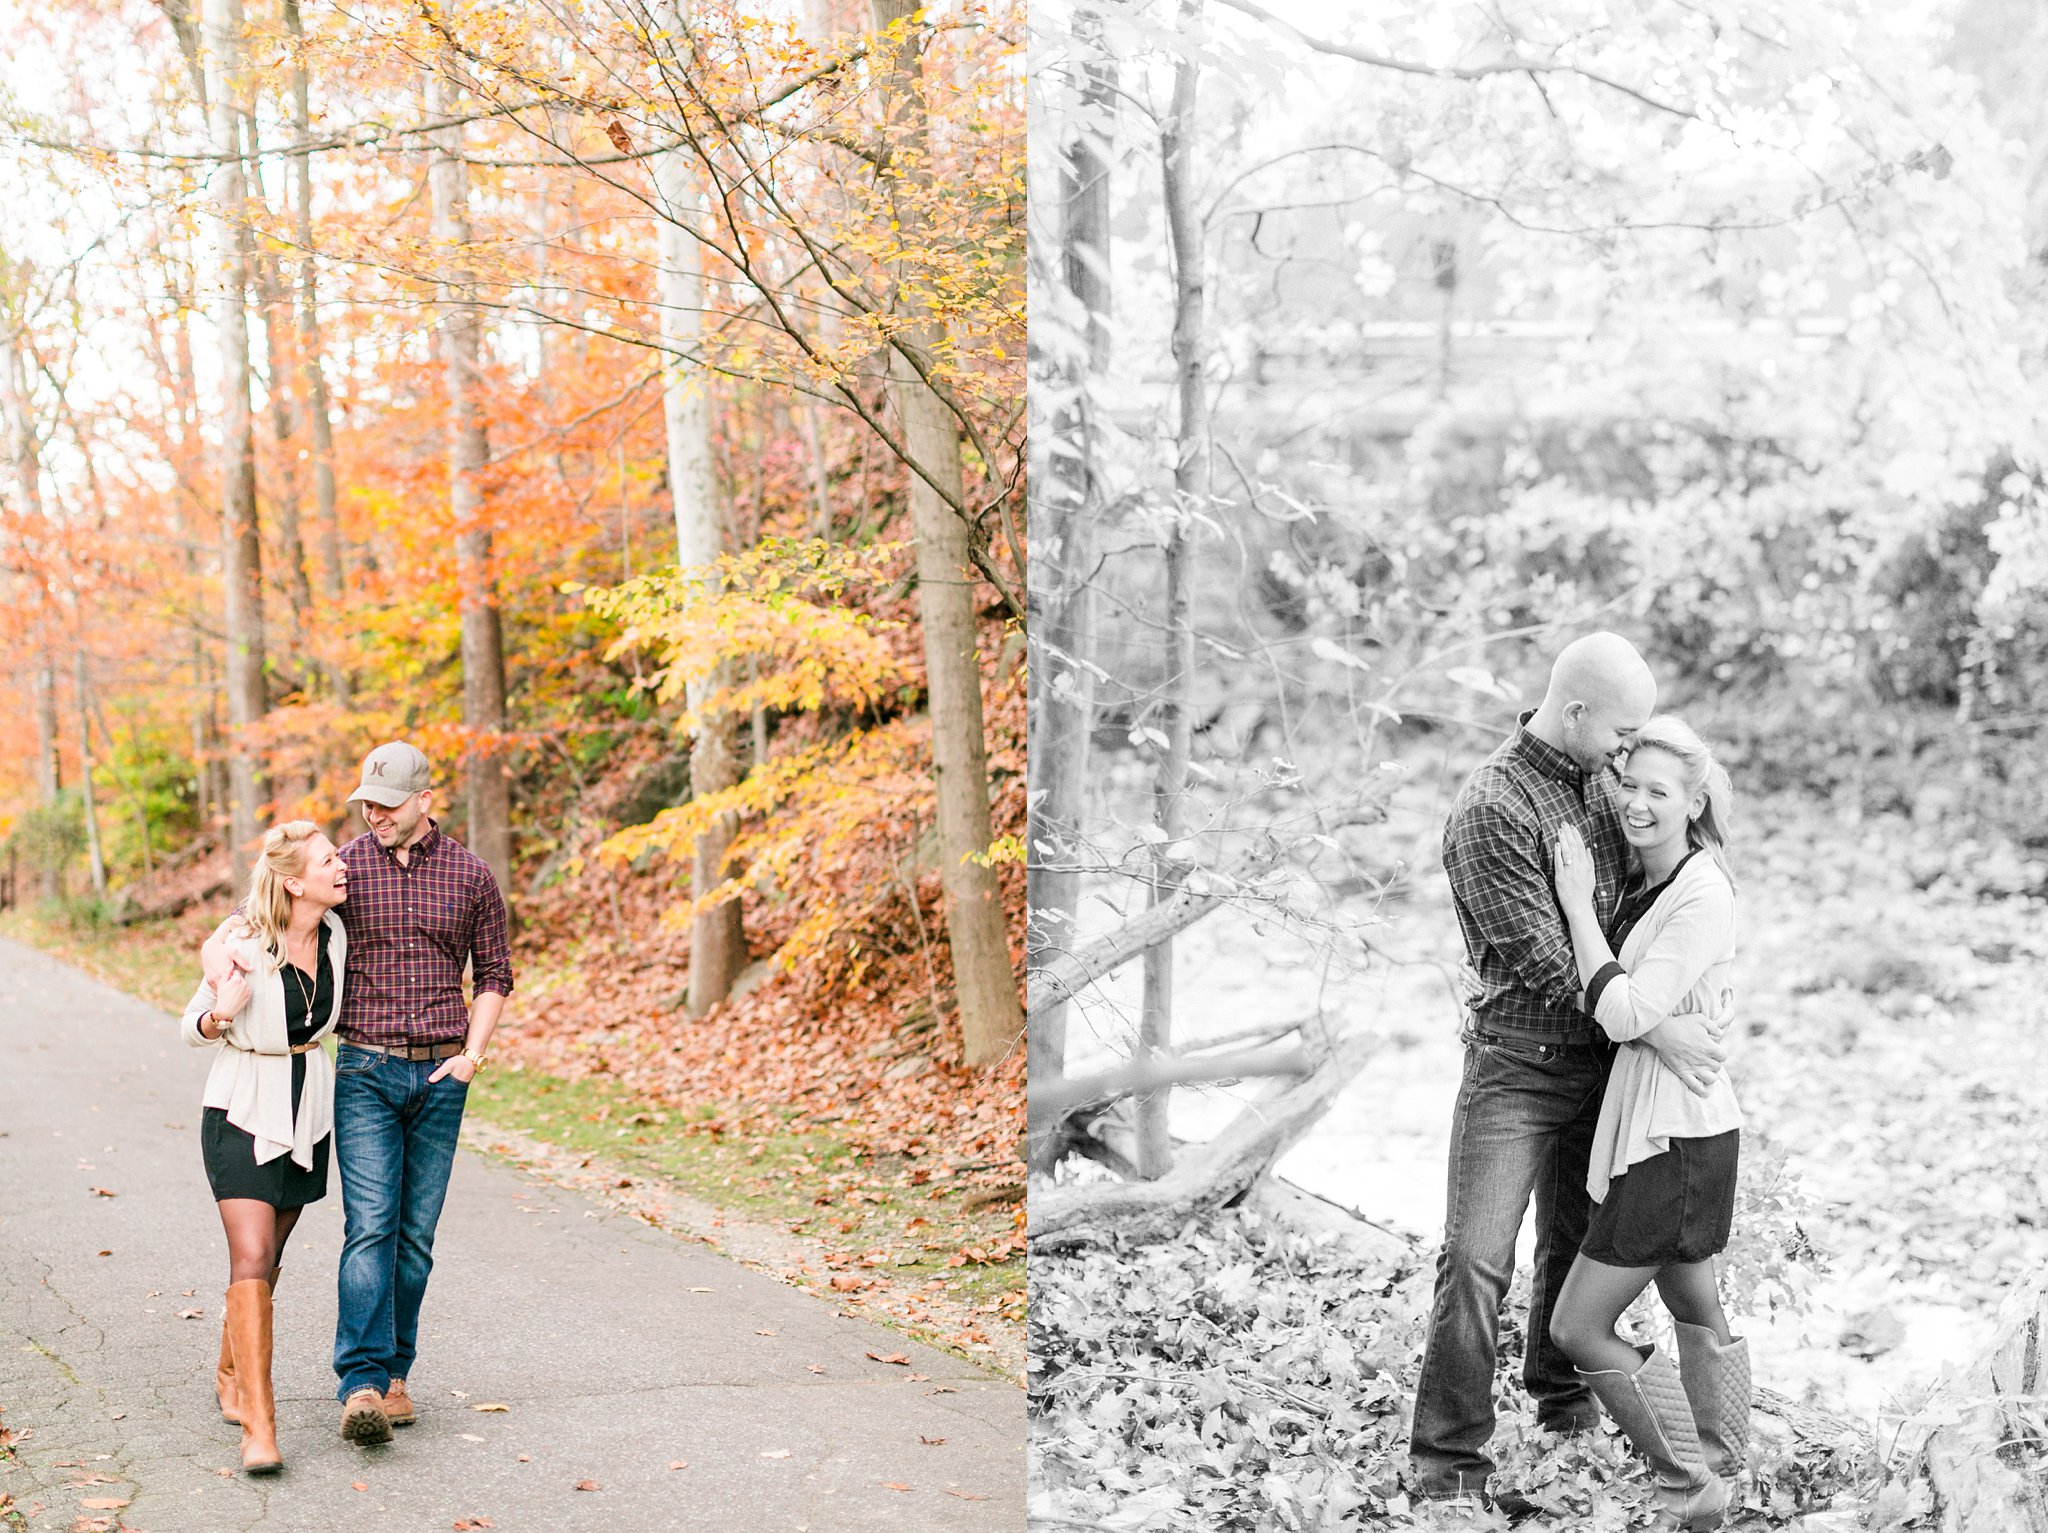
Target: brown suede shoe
{"type": "Point", "coordinates": [398, 1405]}
{"type": "Point", "coordinates": [363, 1419]}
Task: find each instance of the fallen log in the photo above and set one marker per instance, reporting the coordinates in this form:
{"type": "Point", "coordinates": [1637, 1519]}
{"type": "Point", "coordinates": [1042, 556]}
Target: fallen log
{"type": "Point", "coordinates": [1062, 976]}
{"type": "Point", "coordinates": [1058, 1098]}
{"type": "Point", "coordinates": [1207, 1175]}
{"type": "Point", "coordinates": [1352, 1238]}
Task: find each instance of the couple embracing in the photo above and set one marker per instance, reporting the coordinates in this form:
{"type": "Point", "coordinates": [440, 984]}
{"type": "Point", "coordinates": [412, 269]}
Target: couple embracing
{"type": "Point", "coordinates": [1598, 913]}
{"type": "Point", "coordinates": [367, 942]}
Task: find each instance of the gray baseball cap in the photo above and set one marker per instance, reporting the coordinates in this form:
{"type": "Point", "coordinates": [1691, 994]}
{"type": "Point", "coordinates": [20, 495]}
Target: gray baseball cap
{"type": "Point", "coordinates": [392, 773]}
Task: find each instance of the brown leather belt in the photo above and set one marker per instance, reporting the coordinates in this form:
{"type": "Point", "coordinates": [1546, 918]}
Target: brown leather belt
{"type": "Point", "coordinates": [413, 1051]}
{"type": "Point", "coordinates": [297, 1048]}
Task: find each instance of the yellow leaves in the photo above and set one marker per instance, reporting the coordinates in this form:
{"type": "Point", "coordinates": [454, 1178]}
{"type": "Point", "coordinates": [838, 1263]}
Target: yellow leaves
{"type": "Point", "coordinates": [1004, 849]}
{"type": "Point", "coordinates": [762, 629]}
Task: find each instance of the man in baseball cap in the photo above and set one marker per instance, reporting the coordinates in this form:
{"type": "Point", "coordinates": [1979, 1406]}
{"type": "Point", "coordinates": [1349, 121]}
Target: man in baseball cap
{"type": "Point", "coordinates": [392, 774]}
{"type": "Point", "coordinates": [422, 907]}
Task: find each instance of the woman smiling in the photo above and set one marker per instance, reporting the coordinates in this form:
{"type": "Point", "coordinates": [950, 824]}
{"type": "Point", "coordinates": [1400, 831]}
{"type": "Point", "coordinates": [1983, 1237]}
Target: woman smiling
{"type": "Point", "coordinates": [1663, 1165]}
{"type": "Point", "coordinates": [269, 1105]}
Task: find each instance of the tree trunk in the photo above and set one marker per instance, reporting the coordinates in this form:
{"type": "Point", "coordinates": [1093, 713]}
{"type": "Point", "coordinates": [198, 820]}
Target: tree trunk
{"type": "Point", "coordinates": [271, 301]}
{"type": "Point", "coordinates": [991, 1019]}
{"type": "Point", "coordinates": [485, 790]}
{"type": "Point", "coordinates": [718, 945]}
{"type": "Point", "coordinates": [1191, 488]}
{"type": "Point", "coordinates": [95, 855]}
{"type": "Point", "coordinates": [325, 520]}
{"type": "Point", "coordinates": [1062, 705]}
{"type": "Point", "coordinates": [242, 551]}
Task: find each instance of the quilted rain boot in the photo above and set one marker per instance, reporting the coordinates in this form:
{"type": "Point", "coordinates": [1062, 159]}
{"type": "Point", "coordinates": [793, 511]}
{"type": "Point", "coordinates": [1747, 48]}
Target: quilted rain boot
{"type": "Point", "coordinates": [1717, 1384]}
{"type": "Point", "coordinates": [1650, 1407]}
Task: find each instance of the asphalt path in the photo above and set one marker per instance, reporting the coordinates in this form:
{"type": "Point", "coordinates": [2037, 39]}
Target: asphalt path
{"type": "Point", "coordinates": [578, 1369]}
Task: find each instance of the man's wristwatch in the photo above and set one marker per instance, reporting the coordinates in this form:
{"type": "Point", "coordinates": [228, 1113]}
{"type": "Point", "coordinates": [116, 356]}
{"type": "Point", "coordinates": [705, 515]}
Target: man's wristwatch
{"type": "Point", "coordinates": [475, 1059]}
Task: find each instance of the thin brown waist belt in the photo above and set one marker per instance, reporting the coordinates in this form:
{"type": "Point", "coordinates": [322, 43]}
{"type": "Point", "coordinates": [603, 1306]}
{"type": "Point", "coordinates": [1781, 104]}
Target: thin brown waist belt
{"type": "Point", "coordinates": [297, 1048]}
{"type": "Point", "coordinates": [413, 1051]}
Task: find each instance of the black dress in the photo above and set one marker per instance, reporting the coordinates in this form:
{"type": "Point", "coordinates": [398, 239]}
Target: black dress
{"type": "Point", "coordinates": [231, 1152]}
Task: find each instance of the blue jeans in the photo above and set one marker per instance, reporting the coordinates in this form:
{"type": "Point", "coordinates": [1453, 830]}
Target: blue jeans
{"type": "Point", "coordinates": [394, 1135]}
{"type": "Point", "coordinates": [1523, 1126]}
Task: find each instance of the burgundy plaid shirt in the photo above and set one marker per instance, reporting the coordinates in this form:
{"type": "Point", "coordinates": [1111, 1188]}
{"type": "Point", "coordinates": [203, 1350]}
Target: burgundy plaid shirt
{"type": "Point", "coordinates": [411, 928]}
{"type": "Point", "coordinates": [1497, 852]}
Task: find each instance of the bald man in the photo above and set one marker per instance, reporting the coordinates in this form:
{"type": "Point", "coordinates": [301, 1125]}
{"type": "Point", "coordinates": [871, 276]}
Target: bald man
{"type": "Point", "coordinates": [1535, 1062]}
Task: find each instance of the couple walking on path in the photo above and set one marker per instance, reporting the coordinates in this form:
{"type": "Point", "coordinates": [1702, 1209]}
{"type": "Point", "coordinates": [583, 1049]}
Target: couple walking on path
{"type": "Point", "coordinates": [368, 942]}
{"type": "Point", "coordinates": [1598, 914]}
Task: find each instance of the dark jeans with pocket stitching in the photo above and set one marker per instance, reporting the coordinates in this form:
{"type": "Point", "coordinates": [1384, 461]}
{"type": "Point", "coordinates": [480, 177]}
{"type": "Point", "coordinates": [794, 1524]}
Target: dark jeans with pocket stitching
{"type": "Point", "coordinates": [1523, 1128]}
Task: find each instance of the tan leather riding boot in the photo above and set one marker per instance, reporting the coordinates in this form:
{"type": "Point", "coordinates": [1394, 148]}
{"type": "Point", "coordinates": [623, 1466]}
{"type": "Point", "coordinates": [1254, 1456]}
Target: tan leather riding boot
{"type": "Point", "coordinates": [224, 1377]}
{"type": "Point", "coordinates": [249, 1337]}
{"type": "Point", "coordinates": [224, 1370]}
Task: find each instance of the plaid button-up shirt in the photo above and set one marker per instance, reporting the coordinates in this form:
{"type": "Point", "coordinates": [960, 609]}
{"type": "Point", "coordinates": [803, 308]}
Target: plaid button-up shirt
{"type": "Point", "coordinates": [1497, 852]}
{"type": "Point", "coordinates": [412, 926]}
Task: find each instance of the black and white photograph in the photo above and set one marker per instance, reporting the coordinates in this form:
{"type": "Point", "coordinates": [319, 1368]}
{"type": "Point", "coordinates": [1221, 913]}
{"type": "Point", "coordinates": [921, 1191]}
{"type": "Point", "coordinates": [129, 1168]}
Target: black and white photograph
{"type": "Point", "coordinates": [1537, 845]}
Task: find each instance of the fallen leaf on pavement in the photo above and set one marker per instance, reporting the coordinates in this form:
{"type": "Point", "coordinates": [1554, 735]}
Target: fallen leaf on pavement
{"type": "Point", "coordinates": [359, 1485]}
{"type": "Point", "coordinates": [225, 1474]}
{"type": "Point", "coordinates": [680, 1464]}
{"type": "Point", "coordinates": [491, 1406]}
{"type": "Point", "coordinates": [525, 1458]}
{"type": "Point", "coordinates": [815, 1367]}
{"type": "Point", "coordinates": [102, 1192]}
{"type": "Point", "coordinates": [464, 1525]}
{"type": "Point", "coordinates": [965, 1495]}
{"type": "Point", "coordinates": [930, 1442]}
{"type": "Point", "coordinates": [191, 1314]}
{"type": "Point", "coordinates": [892, 1485]}
{"type": "Point", "coordinates": [775, 1453]}
{"type": "Point", "coordinates": [763, 1331]}
{"type": "Point", "coordinates": [893, 1357]}
{"type": "Point", "coordinates": [103, 1503]}
{"type": "Point", "coordinates": [106, 1253]}
{"type": "Point", "coordinates": [586, 1485]}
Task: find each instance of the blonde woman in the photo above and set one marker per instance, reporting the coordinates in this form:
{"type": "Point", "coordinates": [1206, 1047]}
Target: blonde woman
{"type": "Point", "coordinates": [1662, 1172]}
{"type": "Point", "coordinates": [269, 1106]}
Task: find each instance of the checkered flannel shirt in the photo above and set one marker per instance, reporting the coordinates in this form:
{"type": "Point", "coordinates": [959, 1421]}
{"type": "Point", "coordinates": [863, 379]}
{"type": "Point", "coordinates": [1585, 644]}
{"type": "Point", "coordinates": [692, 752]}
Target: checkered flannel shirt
{"type": "Point", "coordinates": [412, 926]}
{"type": "Point", "coordinates": [1497, 852]}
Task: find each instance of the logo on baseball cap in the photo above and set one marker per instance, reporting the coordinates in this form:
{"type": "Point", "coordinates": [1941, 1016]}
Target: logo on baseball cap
{"type": "Point", "coordinates": [392, 773]}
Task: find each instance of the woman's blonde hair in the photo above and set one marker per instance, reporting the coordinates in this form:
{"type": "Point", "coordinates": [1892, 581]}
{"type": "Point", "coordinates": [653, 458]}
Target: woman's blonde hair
{"type": "Point", "coordinates": [268, 909]}
{"type": "Point", "coordinates": [1703, 774]}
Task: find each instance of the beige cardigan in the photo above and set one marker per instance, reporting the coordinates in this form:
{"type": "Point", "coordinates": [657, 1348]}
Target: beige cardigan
{"type": "Point", "coordinates": [252, 1068]}
{"type": "Point", "coordinates": [1678, 958]}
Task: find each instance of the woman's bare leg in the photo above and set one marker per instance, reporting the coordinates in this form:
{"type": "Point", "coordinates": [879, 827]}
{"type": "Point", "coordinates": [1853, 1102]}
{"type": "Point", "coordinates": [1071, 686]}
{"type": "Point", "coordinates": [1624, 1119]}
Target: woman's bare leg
{"type": "Point", "coordinates": [1593, 1297]}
